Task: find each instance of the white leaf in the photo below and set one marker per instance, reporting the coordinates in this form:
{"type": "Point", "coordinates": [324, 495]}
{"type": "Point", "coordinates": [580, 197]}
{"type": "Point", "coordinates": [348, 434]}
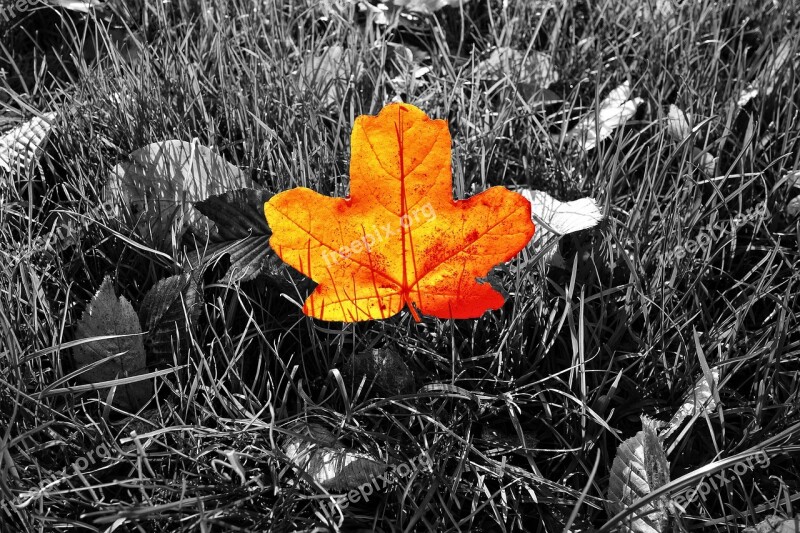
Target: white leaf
{"type": "Point", "coordinates": [22, 145]}
{"type": "Point", "coordinates": [329, 463]}
{"type": "Point", "coordinates": [679, 124]}
{"type": "Point", "coordinates": [613, 112]}
{"type": "Point", "coordinates": [554, 219]}
{"type": "Point", "coordinates": [639, 468]}
{"type": "Point", "coordinates": [426, 7]}
{"type": "Point", "coordinates": [161, 181]}
{"type": "Point", "coordinates": [83, 6]}
{"type": "Point", "coordinates": [700, 398]}
{"type": "Point", "coordinates": [776, 524]}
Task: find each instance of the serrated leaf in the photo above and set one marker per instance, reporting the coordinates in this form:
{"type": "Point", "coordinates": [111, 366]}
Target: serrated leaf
{"type": "Point", "coordinates": [160, 182]}
{"type": "Point", "coordinates": [329, 463]}
{"type": "Point", "coordinates": [23, 145]}
{"type": "Point", "coordinates": [639, 468]}
{"type": "Point", "coordinates": [776, 524]}
{"type": "Point", "coordinates": [109, 315]}
{"type": "Point", "coordinates": [241, 231]}
{"type": "Point", "coordinates": [613, 112]}
{"type": "Point", "coordinates": [555, 219]}
{"type": "Point", "coordinates": [700, 398]}
{"type": "Point", "coordinates": [168, 310]}
{"type": "Point", "coordinates": [383, 370]}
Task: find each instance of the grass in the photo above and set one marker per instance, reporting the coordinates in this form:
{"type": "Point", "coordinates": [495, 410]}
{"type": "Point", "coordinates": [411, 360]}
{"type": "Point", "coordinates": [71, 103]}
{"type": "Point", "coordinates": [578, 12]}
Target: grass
{"type": "Point", "coordinates": [522, 410]}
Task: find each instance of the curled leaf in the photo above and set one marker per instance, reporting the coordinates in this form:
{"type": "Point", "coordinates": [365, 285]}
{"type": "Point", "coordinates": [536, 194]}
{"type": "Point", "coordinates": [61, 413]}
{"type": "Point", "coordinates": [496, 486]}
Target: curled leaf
{"type": "Point", "coordinates": [700, 398]}
{"type": "Point", "coordinates": [329, 463]}
{"type": "Point", "coordinates": [639, 468]}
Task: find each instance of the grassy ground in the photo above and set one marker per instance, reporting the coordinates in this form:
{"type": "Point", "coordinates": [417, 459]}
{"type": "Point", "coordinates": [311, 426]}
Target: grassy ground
{"type": "Point", "coordinates": [525, 407]}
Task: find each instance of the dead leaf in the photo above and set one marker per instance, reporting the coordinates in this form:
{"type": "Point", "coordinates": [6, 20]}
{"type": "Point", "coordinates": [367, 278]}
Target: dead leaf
{"type": "Point", "coordinates": [23, 145]}
{"type": "Point", "coordinates": [771, 75]}
{"type": "Point", "coordinates": [793, 207]}
{"type": "Point", "coordinates": [555, 219]}
{"type": "Point", "coordinates": [168, 311]}
{"type": "Point", "coordinates": [160, 182]}
{"type": "Point", "coordinates": [698, 399]}
{"type": "Point", "coordinates": [329, 463]}
{"type": "Point", "coordinates": [639, 468]}
{"type": "Point", "coordinates": [383, 370]}
{"type": "Point", "coordinates": [614, 111]}
{"type": "Point", "coordinates": [679, 124]}
{"type": "Point", "coordinates": [426, 7]}
{"type": "Point", "coordinates": [400, 238]}
{"type": "Point", "coordinates": [241, 232]}
{"type": "Point", "coordinates": [776, 524]}
{"type": "Point", "coordinates": [534, 68]}
{"type": "Point", "coordinates": [109, 315]}
{"type": "Point", "coordinates": [330, 73]}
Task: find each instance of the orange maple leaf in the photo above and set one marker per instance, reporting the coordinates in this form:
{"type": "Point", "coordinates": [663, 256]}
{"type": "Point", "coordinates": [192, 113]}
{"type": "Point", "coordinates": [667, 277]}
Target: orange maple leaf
{"type": "Point", "coordinates": [400, 238]}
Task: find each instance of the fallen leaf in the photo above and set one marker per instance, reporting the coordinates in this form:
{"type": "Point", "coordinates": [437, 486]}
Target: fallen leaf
{"type": "Point", "coordinates": [698, 399]}
{"type": "Point", "coordinates": [792, 179]}
{"type": "Point", "coordinates": [535, 68]}
{"type": "Point", "coordinates": [241, 232]}
{"type": "Point", "coordinates": [108, 315]}
{"type": "Point", "coordinates": [427, 7]}
{"type": "Point", "coordinates": [168, 311]}
{"type": "Point", "coordinates": [330, 73]}
{"type": "Point", "coordinates": [614, 111]}
{"type": "Point", "coordinates": [555, 219]}
{"type": "Point", "coordinates": [383, 371]}
{"type": "Point", "coordinates": [679, 124]}
{"type": "Point", "coordinates": [770, 76]}
{"type": "Point", "coordinates": [329, 463]}
{"type": "Point", "coordinates": [160, 182]}
{"type": "Point", "coordinates": [776, 524]}
{"type": "Point", "coordinates": [793, 207]}
{"type": "Point", "coordinates": [639, 468]}
{"type": "Point", "coordinates": [23, 145]}
{"type": "Point", "coordinates": [84, 6]}
{"type": "Point", "coordinates": [400, 238]}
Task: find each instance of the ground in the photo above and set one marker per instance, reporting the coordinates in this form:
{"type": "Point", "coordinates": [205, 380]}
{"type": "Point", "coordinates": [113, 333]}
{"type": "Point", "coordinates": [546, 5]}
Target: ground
{"type": "Point", "coordinates": [519, 414]}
